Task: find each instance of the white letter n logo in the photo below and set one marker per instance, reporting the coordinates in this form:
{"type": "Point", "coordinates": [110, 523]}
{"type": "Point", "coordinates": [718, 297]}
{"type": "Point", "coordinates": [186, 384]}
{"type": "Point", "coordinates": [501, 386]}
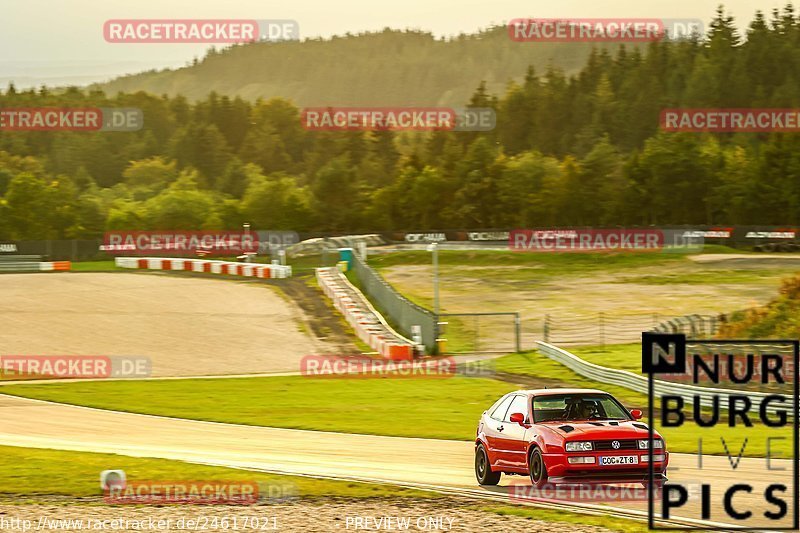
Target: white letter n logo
{"type": "Point", "coordinates": [663, 353]}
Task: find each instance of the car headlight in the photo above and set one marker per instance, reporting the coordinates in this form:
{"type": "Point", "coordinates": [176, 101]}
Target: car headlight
{"type": "Point", "coordinates": [579, 446]}
{"type": "Point", "coordinates": [658, 444]}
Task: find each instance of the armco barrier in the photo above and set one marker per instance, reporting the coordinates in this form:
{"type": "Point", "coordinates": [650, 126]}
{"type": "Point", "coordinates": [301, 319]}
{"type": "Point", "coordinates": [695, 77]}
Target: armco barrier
{"type": "Point", "coordinates": [368, 324]}
{"type": "Point", "coordinates": [638, 383]}
{"type": "Point", "coordinates": [35, 266]}
{"type": "Point", "coordinates": [255, 270]}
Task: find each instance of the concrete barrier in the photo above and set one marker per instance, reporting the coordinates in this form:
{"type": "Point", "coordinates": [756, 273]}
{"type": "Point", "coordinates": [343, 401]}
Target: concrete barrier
{"type": "Point", "coordinates": [368, 324]}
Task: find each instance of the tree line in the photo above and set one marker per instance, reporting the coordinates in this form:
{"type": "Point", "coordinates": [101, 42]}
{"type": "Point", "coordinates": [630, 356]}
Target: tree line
{"type": "Point", "coordinates": [582, 149]}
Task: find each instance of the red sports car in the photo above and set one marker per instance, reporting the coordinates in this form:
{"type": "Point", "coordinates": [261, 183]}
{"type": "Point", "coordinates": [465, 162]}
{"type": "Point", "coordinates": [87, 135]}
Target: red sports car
{"type": "Point", "coordinates": [566, 436]}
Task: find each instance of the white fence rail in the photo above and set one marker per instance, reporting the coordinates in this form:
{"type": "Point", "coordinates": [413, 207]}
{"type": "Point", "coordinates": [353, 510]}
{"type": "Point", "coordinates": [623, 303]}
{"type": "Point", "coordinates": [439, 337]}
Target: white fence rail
{"type": "Point", "coordinates": [638, 383]}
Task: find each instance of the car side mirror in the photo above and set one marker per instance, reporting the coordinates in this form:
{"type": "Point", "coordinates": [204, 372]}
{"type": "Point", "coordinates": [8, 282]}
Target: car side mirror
{"type": "Point", "coordinates": [518, 418]}
{"type": "Point", "coordinates": [636, 414]}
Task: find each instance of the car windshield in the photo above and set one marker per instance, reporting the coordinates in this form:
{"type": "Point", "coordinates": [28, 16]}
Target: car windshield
{"type": "Point", "coordinates": [578, 407]}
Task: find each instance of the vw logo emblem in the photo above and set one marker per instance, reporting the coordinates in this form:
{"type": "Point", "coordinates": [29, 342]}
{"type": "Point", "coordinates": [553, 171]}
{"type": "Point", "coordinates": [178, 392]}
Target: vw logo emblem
{"type": "Point", "coordinates": [615, 445]}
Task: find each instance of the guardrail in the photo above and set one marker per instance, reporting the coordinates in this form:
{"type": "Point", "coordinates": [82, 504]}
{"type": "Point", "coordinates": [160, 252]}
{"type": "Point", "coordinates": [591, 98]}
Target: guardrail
{"type": "Point", "coordinates": [368, 323]}
{"type": "Point", "coordinates": [638, 383]}
{"type": "Point", "coordinates": [34, 266]}
{"type": "Point", "coordinates": [255, 270]}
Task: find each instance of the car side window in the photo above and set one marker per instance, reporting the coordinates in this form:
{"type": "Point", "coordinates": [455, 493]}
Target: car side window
{"type": "Point", "coordinates": [500, 411]}
{"type": "Point", "coordinates": [518, 405]}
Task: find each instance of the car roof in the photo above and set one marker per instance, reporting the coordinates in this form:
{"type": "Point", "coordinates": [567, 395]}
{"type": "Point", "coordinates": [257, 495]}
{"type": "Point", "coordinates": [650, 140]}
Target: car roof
{"type": "Point", "coordinates": [551, 392]}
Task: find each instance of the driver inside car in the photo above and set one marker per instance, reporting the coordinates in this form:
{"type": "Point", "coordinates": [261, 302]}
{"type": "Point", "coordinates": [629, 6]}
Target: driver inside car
{"type": "Point", "coordinates": [580, 410]}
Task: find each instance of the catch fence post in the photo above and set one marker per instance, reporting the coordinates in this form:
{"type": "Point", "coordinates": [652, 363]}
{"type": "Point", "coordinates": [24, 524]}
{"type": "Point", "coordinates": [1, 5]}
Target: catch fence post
{"type": "Point", "coordinates": [546, 328]}
{"type": "Point", "coordinates": [602, 330]}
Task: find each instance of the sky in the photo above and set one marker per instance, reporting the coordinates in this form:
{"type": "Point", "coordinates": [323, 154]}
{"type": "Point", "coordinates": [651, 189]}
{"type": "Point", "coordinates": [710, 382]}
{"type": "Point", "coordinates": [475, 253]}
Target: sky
{"type": "Point", "coordinates": [56, 40]}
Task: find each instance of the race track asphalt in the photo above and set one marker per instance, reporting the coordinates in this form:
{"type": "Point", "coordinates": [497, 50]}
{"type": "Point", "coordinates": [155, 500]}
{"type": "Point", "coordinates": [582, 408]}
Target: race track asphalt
{"type": "Point", "coordinates": [427, 463]}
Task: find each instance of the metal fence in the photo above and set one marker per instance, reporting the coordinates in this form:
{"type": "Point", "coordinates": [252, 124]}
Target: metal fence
{"type": "Point", "coordinates": [693, 326]}
{"type": "Point", "coordinates": [480, 332]}
{"type": "Point", "coordinates": [400, 312]}
{"type": "Point", "coordinates": [608, 328]}
{"type": "Point", "coordinates": [589, 329]}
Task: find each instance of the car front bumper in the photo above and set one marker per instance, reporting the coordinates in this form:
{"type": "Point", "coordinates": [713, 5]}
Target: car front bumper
{"type": "Point", "coordinates": [559, 468]}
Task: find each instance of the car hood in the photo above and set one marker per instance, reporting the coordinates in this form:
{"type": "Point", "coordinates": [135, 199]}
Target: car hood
{"type": "Point", "coordinates": [601, 429]}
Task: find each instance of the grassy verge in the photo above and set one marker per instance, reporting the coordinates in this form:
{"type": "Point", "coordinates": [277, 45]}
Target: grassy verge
{"type": "Point", "coordinates": [535, 365]}
{"type": "Point", "coordinates": [38, 472]}
{"type": "Point", "coordinates": [94, 266]}
{"type": "Point", "coordinates": [31, 475]}
{"type": "Point", "coordinates": [553, 262]}
{"type": "Point", "coordinates": [622, 356]}
{"type": "Point", "coordinates": [371, 406]}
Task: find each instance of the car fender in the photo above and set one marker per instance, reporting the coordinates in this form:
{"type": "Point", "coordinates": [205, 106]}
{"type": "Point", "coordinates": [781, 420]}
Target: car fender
{"type": "Point", "coordinates": [536, 442]}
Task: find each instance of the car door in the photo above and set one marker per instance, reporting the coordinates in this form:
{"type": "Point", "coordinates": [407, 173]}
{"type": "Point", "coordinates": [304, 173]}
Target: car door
{"type": "Point", "coordinates": [494, 427]}
{"type": "Point", "coordinates": [511, 442]}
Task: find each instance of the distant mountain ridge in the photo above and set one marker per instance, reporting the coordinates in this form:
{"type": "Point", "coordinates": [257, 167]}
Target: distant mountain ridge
{"type": "Point", "coordinates": [391, 67]}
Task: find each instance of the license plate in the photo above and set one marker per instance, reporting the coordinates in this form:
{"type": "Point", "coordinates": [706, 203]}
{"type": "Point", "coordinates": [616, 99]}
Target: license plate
{"type": "Point", "coordinates": [619, 460]}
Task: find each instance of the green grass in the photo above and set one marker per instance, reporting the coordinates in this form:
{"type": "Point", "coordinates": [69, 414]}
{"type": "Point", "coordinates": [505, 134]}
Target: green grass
{"type": "Point", "coordinates": [704, 277]}
{"type": "Point", "coordinates": [94, 266]}
{"type": "Point", "coordinates": [39, 472]}
{"type": "Point", "coordinates": [545, 264]}
{"type": "Point", "coordinates": [623, 356]}
{"type": "Point", "coordinates": [28, 475]}
{"type": "Point", "coordinates": [575, 262]}
{"type": "Point", "coordinates": [372, 406]}
{"type": "Point", "coordinates": [536, 365]}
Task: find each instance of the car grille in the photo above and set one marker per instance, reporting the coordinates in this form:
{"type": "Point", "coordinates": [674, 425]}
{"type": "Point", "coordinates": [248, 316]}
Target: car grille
{"type": "Point", "coordinates": [624, 444]}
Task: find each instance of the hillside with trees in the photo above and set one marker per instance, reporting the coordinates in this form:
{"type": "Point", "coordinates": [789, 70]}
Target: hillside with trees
{"type": "Point", "coordinates": [581, 149]}
{"type": "Point", "coordinates": [388, 68]}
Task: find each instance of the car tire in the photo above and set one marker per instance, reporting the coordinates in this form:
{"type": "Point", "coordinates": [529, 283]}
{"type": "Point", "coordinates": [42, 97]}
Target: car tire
{"type": "Point", "coordinates": [537, 468]}
{"type": "Point", "coordinates": [483, 469]}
